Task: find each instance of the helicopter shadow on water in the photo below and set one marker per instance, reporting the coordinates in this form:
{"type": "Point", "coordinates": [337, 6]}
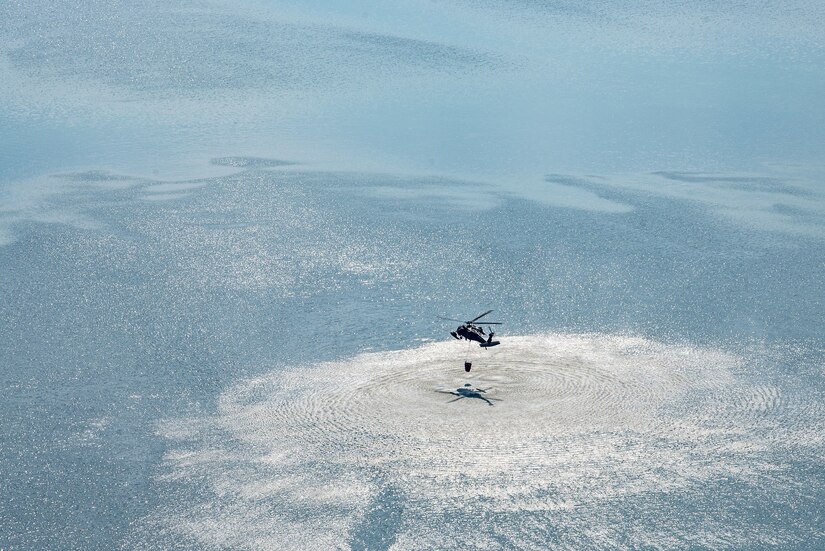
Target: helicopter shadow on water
{"type": "Point", "coordinates": [469, 391]}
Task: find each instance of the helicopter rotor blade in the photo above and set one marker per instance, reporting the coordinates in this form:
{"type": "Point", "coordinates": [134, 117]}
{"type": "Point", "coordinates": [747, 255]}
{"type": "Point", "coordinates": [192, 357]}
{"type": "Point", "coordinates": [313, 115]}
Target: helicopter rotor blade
{"type": "Point", "coordinates": [489, 323]}
{"type": "Point", "coordinates": [479, 317]}
{"type": "Point", "coordinates": [450, 319]}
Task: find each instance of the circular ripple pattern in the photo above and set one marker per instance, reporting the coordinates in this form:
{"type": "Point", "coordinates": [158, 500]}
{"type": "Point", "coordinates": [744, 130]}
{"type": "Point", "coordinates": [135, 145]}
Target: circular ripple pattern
{"type": "Point", "coordinates": [570, 441]}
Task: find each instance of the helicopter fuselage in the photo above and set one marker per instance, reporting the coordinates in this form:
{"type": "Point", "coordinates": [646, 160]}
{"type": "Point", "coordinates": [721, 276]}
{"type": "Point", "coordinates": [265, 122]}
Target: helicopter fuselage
{"type": "Point", "coordinates": [474, 333]}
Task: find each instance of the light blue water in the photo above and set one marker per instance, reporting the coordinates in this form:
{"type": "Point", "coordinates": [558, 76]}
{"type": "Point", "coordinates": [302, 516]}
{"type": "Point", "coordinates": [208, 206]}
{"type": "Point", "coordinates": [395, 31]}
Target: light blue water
{"type": "Point", "coordinates": [226, 231]}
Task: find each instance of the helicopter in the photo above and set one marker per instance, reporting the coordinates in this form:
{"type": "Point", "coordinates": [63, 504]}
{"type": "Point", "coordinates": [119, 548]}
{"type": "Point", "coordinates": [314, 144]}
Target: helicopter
{"type": "Point", "coordinates": [472, 331]}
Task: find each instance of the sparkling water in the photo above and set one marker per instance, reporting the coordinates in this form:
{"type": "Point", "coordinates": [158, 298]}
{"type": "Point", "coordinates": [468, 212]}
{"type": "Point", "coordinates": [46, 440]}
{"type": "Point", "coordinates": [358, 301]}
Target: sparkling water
{"type": "Point", "coordinates": [227, 231]}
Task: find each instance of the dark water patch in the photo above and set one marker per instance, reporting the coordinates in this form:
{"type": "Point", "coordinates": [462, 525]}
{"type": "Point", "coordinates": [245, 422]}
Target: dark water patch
{"type": "Point", "coordinates": [742, 183]}
{"type": "Point", "coordinates": [194, 49]}
{"type": "Point", "coordinates": [251, 162]}
{"type": "Point", "coordinates": [567, 180]}
{"type": "Point", "coordinates": [796, 213]}
{"type": "Point", "coordinates": [605, 196]}
{"type": "Point", "coordinates": [380, 525]}
{"type": "Point", "coordinates": [94, 176]}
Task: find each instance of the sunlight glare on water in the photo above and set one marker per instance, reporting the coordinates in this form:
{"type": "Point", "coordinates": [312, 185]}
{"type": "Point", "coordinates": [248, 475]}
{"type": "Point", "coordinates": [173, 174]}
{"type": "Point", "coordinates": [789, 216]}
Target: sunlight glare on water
{"type": "Point", "coordinates": [584, 430]}
{"type": "Point", "coordinates": [227, 230]}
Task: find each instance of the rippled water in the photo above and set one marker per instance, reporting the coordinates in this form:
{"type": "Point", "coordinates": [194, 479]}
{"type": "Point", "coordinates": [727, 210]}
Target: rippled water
{"type": "Point", "coordinates": [226, 232]}
{"type": "Point", "coordinates": [193, 365]}
{"type": "Point", "coordinates": [592, 441]}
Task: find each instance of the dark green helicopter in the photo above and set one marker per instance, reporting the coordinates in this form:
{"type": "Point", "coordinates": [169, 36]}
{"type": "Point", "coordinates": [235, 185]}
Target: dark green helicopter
{"type": "Point", "coordinates": [473, 331]}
